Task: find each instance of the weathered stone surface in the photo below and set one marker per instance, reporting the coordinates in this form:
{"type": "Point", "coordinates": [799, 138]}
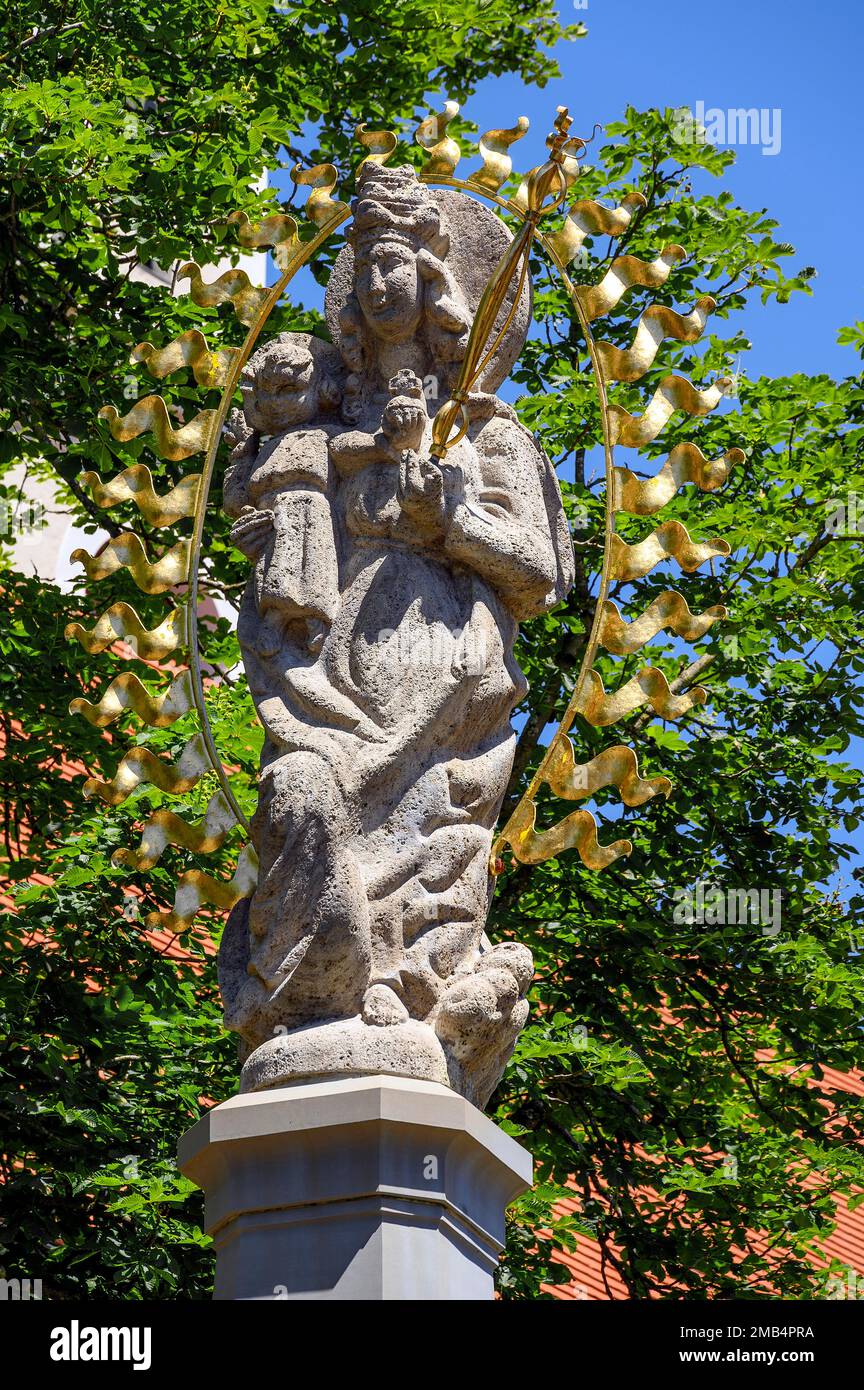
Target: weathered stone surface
{"type": "Point", "coordinates": [377, 631]}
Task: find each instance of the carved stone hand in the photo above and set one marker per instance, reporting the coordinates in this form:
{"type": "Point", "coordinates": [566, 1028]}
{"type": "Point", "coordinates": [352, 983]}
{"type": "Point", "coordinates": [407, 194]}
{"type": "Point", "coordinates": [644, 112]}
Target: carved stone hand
{"type": "Point", "coordinates": [252, 531]}
{"type": "Point", "coordinates": [421, 493]}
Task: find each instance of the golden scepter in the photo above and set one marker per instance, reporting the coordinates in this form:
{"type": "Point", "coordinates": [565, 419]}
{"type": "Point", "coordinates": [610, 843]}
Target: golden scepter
{"type": "Point", "coordinates": [549, 180]}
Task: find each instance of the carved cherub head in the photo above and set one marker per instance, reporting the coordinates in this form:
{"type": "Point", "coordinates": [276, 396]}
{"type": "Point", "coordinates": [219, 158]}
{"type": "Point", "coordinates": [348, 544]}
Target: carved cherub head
{"type": "Point", "coordinates": [289, 382]}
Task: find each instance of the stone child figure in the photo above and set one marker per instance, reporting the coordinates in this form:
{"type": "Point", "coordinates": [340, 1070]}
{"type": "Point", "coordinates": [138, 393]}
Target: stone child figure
{"type": "Point", "coordinates": [278, 491]}
{"type": "Point", "coordinates": [378, 631]}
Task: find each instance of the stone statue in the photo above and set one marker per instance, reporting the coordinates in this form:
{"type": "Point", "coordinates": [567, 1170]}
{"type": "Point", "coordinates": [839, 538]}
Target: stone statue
{"type": "Point", "coordinates": [377, 631]}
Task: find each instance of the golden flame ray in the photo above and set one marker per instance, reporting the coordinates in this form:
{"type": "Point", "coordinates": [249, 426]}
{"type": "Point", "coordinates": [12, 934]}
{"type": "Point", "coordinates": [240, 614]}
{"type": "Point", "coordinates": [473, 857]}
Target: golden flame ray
{"type": "Point", "coordinates": [321, 206]}
{"type": "Point", "coordinates": [622, 275]}
{"type": "Point", "coordinates": [232, 286]}
{"type": "Point", "coordinates": [210, 369]}
{"type": "Point", "coordinates": [577, 831]}
{"type": "Point", "coordinates": [166, 828]}
{"type": "Point", "coordinates": [127, 693]}
{"type": "Point", "coordinates": [669, 541]}
{"type": "Point", "coordinates": [587, 218]}
{"type": "Point", "coordinates": [379, 143]}
{"type": "Point", "coordinates": [120, 623]}
{"type": "Point", "coordinates": [135, 484]}
{"type": "Point", "coordinates": [442, 150]}
{"type": "Point", "coordinates": [673, 393]}
{"type": "Point", "coordinates": [497, 161]}
{"type": "Point", "coordinates": [278, 232]}
{"type": "Point", "coordinates": [151, 413]}
{"type": "Point", "coordinates": [128, 552]}
{"type": "Point", "coordinates": [686, 464]}
{"type": "Point", "coordinates": [196, 889]}
{"type": "Point", "coordinates": [648, 687]}
{"type": "Point", "coordinates": [656, 324]}
{"type": "Point", "coordinates": [141, 765]}
{"type": "Point", "coordinates": [614, 767]}
{"type": "Point", "coordinates": [669, 611]}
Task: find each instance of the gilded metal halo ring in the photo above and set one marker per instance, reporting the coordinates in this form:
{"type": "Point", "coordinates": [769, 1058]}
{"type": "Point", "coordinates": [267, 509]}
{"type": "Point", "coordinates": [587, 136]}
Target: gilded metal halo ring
{"type": "Point", "coordinates": [558, 770]}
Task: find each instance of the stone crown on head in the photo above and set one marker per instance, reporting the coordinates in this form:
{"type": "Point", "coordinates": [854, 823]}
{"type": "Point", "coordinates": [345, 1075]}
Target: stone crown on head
{"type": "Point", "coordinates": [392, 205]}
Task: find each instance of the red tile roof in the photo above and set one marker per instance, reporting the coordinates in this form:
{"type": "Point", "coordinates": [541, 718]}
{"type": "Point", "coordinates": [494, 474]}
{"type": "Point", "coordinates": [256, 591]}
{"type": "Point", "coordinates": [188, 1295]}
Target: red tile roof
{"type": "Point", "coordinates": [583, 1267]}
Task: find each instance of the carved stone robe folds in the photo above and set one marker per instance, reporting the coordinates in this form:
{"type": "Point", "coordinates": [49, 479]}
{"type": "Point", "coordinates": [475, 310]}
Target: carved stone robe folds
{"type": "Point", "coordinates": [389, 742]}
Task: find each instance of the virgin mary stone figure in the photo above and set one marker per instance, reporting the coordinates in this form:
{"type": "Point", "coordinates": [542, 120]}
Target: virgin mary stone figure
{"type": "Point", "coordinates": [377, 630]}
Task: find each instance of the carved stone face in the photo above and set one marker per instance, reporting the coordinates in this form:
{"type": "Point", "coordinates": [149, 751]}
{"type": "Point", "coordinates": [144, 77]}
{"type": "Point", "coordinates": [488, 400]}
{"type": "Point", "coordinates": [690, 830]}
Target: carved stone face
{"type": "Point", "coordinates": [389, 290]}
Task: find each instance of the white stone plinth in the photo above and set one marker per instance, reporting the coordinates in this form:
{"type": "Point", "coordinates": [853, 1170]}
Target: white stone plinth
{"type": "Point", "coordinates": [375, 1187]}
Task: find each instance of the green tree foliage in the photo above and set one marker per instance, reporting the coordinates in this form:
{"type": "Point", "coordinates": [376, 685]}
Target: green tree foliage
{"type": "Point", "coordinates": [128, 133]}
{"type": "Point", "coordinates": [657, 1049]}
{"type": "Point", "coordinates": [669, 1067]}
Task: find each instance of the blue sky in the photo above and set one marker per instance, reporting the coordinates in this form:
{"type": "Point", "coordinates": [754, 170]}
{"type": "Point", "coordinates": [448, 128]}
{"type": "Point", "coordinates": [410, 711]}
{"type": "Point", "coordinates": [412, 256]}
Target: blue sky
{"type": "Point", "coordinates": [802, 59]}
{"type": "Point", "coordinates": [788, 57]}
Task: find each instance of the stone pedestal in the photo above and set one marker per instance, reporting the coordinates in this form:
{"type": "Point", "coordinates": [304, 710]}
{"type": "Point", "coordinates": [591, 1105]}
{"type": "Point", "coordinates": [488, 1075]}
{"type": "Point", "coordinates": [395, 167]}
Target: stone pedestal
{"type": "Point", "coordinates": [375, 1187]}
